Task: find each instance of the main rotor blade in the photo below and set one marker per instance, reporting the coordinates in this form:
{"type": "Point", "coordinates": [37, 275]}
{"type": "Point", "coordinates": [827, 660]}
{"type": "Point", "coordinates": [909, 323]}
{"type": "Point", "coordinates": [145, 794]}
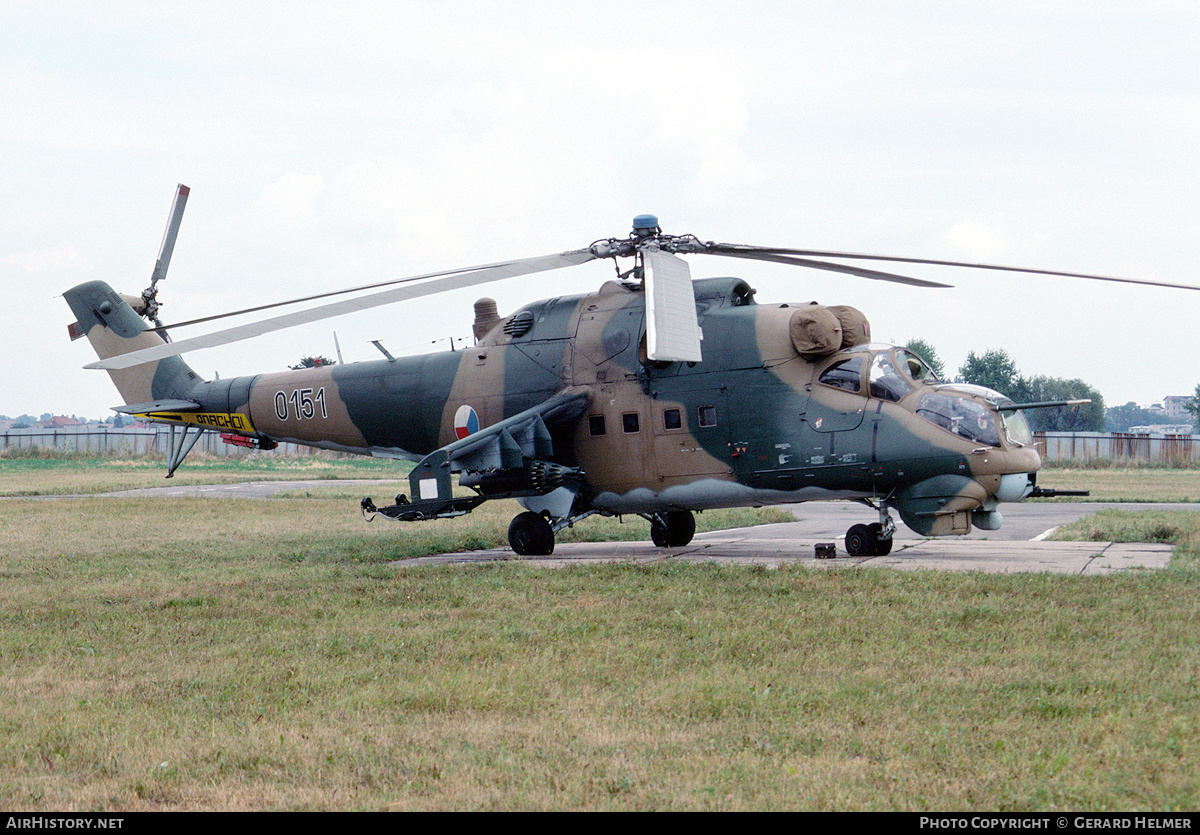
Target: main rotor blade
{"type": "Point", "coordinates": [331, 293]}
{"type": "Point", "coordinates": [461, 278]}
{"type": "Point", "coordinates": [672, 328]}
{"type": "Point", "coordinates": [862, 272]}
{"type": "Point", "coordinates": [746, 251]}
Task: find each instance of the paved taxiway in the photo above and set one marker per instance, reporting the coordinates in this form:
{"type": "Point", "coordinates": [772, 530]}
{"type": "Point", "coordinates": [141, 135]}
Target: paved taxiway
{"type": "Point", "coordinates": [786, 543]}
{"type": "Point", "coordinates": [1017, 546]}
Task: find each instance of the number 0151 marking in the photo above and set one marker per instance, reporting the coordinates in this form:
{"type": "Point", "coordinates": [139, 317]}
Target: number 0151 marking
{"type": "Point", "coordinates": [300, 404]}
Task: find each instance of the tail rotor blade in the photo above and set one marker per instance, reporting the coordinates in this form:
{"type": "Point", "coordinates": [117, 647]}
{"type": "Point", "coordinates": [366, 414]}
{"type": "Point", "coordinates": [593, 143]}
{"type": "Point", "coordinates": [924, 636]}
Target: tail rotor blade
{"type": "Point", "coordinates": [150, 294]}
{"type": "Point", "coordinates": [169, 235]}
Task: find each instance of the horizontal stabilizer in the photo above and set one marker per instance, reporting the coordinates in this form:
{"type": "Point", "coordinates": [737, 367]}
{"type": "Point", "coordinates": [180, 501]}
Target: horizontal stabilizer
{"type": "Point", "coordinates": [158, 406]}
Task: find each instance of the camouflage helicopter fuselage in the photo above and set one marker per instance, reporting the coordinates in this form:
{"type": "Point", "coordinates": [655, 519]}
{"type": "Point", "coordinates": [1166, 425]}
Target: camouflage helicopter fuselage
{"type": "Point", "coordinates": [558, 406]}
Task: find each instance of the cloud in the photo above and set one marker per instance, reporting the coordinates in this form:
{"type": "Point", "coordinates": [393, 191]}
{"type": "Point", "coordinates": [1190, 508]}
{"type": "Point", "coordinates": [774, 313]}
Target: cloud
{"type": "Point", "coordinates": [982, 239]}
{"type": "Point", "coordinates": [60, 260]}
{"type": "Point", "coordinates": [289, 201]}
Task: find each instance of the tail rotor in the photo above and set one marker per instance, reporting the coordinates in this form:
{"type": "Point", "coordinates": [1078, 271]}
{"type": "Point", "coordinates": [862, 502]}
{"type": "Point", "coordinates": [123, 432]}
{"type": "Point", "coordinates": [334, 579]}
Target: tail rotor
{"type": "Point", "coordinates": [150, 304]}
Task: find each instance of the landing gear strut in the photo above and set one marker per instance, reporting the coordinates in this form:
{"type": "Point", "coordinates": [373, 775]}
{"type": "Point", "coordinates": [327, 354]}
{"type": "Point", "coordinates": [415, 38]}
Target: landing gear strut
{"type": "Point", "coordinates": [874, 540]}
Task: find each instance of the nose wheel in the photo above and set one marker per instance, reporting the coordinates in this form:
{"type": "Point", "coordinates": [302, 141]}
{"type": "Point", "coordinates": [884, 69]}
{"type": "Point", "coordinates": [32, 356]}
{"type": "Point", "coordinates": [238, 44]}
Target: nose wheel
{"type": "Point", "coordinates": [868, 541]}
{"type": "Point", "coordinates": [874, 540]}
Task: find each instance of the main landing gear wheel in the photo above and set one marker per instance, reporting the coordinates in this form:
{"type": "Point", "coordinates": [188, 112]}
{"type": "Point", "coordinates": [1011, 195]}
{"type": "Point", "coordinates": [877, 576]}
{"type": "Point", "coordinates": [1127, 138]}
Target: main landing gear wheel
{"type": "Point", "coordinates": [672, 529]}
{"type": "Point", "coordinates": [865, 541]}
{"type": "Point", "coordinates": [530, 535]}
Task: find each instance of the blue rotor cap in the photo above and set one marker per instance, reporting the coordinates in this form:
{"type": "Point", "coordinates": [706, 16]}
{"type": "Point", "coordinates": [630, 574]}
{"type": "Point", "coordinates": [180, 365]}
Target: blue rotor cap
{"type": "Point", "coordinates": [645, 225]}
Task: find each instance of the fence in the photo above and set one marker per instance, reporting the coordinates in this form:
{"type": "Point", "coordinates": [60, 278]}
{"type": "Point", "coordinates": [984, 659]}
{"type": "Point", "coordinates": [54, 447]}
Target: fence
{"type": "Point", "coordinates": [100, 440]}
{"type": "Point", "coordinates": [1081, 447]}
{"type": "Point", "coordinates": [1140, 447]}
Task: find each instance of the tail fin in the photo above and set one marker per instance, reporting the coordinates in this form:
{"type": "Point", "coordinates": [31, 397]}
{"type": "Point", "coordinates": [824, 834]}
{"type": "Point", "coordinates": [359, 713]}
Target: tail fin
{"type": "Point", "coordinates": [113, 327]}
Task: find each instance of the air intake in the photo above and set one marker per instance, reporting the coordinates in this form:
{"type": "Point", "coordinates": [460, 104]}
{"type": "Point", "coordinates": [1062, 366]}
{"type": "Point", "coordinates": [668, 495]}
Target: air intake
{"type": "Point", "coordinates": [519, 325]}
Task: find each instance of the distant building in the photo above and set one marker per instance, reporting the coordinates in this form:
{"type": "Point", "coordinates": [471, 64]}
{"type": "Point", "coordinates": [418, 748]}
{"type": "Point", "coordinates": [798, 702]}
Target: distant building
{"type": "Point", "coordinates": [59, 422]}
{"type": "Point", "coordinates": [1161, 429]}
{"type": "Point", "coordinates": [1175, 406]}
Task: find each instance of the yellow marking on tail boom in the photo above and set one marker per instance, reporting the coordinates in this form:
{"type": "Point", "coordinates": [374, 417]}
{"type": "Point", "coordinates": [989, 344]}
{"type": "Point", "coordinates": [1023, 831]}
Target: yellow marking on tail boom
{"type": "Point", "coordinates": [212, 420]}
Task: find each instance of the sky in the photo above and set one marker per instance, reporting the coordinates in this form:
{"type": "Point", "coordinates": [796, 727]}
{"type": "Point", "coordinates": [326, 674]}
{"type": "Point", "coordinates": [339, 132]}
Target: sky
{"type": "Point", "coordinates": [329, 145]}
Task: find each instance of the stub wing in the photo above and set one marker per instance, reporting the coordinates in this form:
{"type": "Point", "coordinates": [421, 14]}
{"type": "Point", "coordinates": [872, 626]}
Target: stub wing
{"type": "Point", "coordinates": [513, 457]}
{"type": "Point", "coordinates": [506, 444]}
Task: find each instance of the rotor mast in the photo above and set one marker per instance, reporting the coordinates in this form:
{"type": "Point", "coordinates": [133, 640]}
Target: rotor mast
{"type": "Point", "coordinates": [672, 326]}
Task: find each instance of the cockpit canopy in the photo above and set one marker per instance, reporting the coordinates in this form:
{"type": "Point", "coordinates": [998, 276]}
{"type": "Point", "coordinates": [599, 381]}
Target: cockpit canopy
{"type": "Point", "coordinates": [960, 415]}
{"type": "Point", "coordinates": [885, 372]}
{"type": "Point", "coordinates": [892, 372]}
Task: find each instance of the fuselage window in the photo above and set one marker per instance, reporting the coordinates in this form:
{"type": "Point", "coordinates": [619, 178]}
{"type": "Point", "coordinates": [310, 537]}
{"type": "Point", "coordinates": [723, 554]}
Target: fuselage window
{"type": "Point", "coordinates": [629, 421]}
{"type": "Point", "coordinates": [672, 419]}
{"type": "Point", "coordinates": [708, 415]}
{"type": "Point", "coordinates": [886, 382]}
{"type": "Point", "coordinates": [1017, 428]}
{"type": "Point", "coordinates": [596, 424]}
{"type": "Point", "coordinates": [915, 366]}
{"type": "Point", "coordinates": [846, 374]}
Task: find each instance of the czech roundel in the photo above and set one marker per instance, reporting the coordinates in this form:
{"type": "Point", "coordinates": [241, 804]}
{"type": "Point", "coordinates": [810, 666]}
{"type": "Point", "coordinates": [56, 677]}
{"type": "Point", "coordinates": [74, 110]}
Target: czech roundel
{"type": "Point", "coordinates": [466, 422]}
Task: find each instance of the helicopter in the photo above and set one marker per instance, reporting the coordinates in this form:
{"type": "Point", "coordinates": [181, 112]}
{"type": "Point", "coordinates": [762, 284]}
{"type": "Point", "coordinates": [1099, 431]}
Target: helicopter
{"type": "Point", "coordinates": [655, 395]}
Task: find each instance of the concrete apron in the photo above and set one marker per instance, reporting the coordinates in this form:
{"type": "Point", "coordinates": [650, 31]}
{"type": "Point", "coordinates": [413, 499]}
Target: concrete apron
{"type": "Point", "coordinates": [771, 546]}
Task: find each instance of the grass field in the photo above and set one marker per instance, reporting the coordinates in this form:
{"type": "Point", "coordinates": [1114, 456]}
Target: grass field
{"type": "Point", "coordinates": [232, 654]}
{"type": "Point", "coordinates": [1131, 484]}
{"type": "Point", "coordinates": [64, 475]}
